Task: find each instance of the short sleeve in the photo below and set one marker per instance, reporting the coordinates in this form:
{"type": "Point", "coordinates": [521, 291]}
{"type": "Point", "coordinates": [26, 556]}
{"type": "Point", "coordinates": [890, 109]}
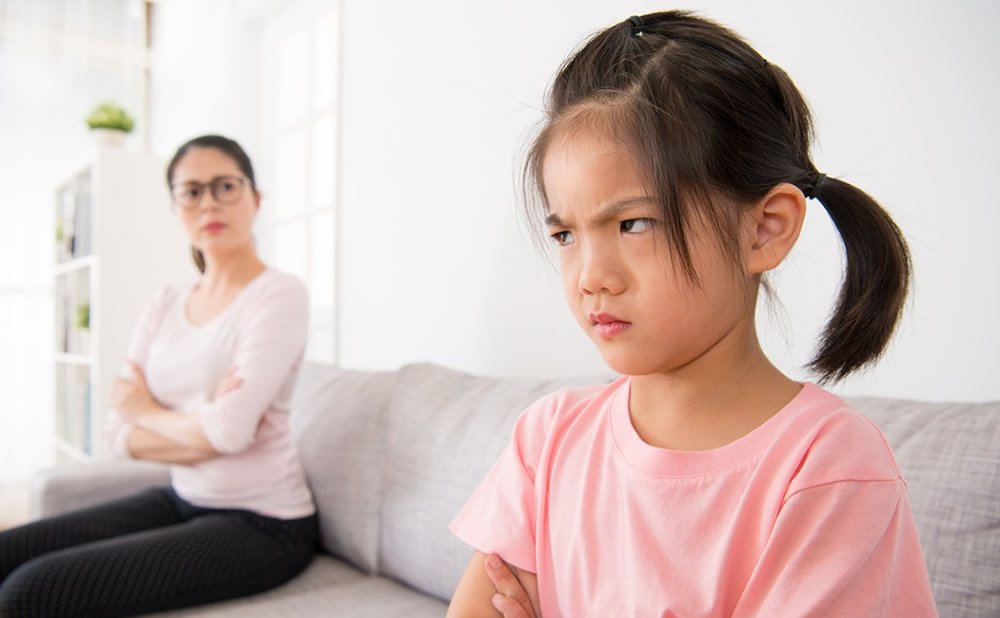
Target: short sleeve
{"type": "Point", "coordinates": [501, 515]}
{"type": "Point", "coordinates": [116, 428]}
{"type": "Point", "coordinates": [270, 347]}
{"type": "Point", "coordinates": [842, 549]}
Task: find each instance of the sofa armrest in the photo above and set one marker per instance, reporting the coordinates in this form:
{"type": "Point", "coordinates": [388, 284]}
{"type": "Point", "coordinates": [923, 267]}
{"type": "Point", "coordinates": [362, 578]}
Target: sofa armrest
{"type": "Point", "coordinates": [70, 487]}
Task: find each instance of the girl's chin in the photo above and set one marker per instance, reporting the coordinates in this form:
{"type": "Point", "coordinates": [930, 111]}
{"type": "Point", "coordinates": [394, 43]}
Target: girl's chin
{"type": "Point", "coordinates": [628, 363]}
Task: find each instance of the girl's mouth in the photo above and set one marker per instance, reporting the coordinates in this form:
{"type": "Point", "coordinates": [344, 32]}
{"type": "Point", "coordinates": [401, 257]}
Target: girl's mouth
{"type": "Point", "coordinates": [607, 325]}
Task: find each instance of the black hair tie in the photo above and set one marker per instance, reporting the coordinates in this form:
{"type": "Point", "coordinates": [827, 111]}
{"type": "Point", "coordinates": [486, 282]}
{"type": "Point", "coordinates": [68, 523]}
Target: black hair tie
{"type": "Point", "coordinates": [813, 190]}
{"type": "Point", "coordinates": [637, 24]}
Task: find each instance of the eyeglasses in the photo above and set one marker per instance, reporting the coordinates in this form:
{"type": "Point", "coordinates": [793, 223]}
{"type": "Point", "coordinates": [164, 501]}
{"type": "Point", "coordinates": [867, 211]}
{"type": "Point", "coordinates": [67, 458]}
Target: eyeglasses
{"type": "Point", "coordinates": [225, 189]}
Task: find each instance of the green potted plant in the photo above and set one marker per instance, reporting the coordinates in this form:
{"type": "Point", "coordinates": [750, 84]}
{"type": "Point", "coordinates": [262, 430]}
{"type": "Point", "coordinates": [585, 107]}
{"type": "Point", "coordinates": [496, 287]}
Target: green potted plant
{"type": "Point", "coordinates": [83, 316]}
{"type": "Point", "coordinates": [110, 123]}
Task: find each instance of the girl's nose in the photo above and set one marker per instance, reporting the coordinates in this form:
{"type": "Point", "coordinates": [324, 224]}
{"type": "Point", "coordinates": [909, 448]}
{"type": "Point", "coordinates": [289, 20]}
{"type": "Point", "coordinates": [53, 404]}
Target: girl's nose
{"type": "Point", "coordinates": [601, 272]}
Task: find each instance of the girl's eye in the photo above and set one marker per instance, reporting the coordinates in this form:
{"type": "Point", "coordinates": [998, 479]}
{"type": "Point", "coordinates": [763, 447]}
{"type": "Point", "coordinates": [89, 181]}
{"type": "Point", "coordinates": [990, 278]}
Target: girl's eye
{"type": "Point", "coordinates": [634, 226]}
{"type": "Point", "coordinates": [563, 238]}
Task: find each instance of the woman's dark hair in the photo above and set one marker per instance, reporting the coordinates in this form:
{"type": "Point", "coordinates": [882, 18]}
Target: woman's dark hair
{"type": "Point", "coordinates": [229, 148]}
{"type": "Point", "coordinates": [714, 127]}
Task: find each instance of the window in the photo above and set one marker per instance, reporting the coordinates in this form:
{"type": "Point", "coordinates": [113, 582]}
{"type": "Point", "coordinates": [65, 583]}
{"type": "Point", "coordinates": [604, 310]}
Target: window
{"type": "Point", "coordinates": [299, 130]}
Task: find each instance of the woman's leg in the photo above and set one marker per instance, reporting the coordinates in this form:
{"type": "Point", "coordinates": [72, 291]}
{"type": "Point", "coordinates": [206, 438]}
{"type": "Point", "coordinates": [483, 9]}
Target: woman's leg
{"type": "Point", "coordinates": [214, 556]}
{"type": "Point", "coordinates": [148, 509]}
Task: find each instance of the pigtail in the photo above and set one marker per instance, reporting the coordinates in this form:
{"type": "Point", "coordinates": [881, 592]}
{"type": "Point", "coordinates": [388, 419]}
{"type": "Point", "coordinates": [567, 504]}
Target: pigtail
{"type": "Point", "coordinates": [876, 280]}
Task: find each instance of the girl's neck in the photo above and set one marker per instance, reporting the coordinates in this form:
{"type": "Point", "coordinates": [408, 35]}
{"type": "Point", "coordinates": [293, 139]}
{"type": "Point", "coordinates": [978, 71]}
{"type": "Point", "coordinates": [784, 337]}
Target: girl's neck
{"type": "Point", "coordinates": [720, 397]}
{"type": "Point", "coordinates": [224, 273]}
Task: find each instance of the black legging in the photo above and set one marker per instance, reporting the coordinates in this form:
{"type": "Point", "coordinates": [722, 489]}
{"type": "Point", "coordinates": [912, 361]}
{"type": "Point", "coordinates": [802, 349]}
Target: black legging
{"type": "Point", "coordinates": [149, 552]}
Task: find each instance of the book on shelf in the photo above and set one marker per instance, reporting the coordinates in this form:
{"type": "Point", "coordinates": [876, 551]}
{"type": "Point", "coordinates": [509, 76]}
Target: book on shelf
{"type": "Point", "coordinates": [86, 421]}
{"type": "Point", "coordinates": [81, 225]}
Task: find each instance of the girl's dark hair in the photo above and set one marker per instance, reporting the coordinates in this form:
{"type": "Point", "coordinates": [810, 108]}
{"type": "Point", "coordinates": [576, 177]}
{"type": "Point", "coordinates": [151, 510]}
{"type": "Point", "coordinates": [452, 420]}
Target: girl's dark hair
{"type": "Point", "coordinates": [714, 127]}
{"type": "Point", "coordinates": [228, 147]}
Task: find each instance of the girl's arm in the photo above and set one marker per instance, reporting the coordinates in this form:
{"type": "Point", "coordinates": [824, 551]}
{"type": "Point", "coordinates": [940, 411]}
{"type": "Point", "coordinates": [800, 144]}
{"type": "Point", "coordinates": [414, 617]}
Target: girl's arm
{"type": "Point", "coordinates": [490, 588]}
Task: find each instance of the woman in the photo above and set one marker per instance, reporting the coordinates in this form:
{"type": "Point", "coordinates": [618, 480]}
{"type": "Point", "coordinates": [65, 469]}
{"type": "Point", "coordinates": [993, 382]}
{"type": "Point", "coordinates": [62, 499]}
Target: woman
{"type": "Point", "coordinates": [208, 378]}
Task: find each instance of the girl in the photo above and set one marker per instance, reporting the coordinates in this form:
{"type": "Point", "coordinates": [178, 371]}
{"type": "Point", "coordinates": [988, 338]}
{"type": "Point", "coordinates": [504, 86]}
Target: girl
{"type": "Point", "coordinates": [209, 375]}
{"type": "Point", "coordinates": [673, 172]}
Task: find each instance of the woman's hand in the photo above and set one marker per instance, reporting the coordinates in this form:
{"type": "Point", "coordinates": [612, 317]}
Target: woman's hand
{"type": "Point", "coordinates": [131, 397]}
{"type": "Point", "coordinates": [511, 599]}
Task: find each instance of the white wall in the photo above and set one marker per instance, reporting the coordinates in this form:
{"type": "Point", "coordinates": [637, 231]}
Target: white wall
{"type": "Point", "coordinates": [204, 76]}
{"type": "Point", "coordinates": [438, 98]}
{"type": "Point", "coordinates": [438, 101]}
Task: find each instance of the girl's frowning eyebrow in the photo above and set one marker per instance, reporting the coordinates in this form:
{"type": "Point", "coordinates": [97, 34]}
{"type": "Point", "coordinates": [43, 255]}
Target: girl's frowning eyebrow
{"type": "Point", "coordinates": [607, 212]}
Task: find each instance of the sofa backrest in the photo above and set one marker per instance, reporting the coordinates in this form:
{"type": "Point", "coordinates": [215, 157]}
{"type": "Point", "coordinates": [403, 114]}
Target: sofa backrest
{"type": "Point", "coordinates": [392, 457]}
{"type": "Point", "coordinates": [444, 431]}
{"type": "Point", "coordinates": [949, 454]}
{"type": "Point", "coordinates": [338, 419]}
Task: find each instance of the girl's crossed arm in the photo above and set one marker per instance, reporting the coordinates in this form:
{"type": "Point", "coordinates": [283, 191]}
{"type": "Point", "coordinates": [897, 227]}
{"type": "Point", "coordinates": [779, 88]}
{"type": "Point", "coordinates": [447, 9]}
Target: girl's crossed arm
{"type": "Point", "coordinates": [489, 587]}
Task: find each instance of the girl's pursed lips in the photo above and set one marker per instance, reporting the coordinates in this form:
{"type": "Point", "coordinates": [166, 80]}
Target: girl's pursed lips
{"type": "Point", "coordinates": [605, 318]}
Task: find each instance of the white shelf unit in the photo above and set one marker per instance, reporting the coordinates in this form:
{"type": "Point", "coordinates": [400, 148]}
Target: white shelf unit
{"type": "Point", "coordinates": [116, 242]}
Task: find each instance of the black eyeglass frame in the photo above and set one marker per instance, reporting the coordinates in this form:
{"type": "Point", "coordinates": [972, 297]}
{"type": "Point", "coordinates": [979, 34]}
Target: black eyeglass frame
{"type": "Point", "coordinates": [213, 185]}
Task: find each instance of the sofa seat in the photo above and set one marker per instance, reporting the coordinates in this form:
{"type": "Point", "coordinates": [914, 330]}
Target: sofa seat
{"type": "Point", "coordinates": [328, 587]}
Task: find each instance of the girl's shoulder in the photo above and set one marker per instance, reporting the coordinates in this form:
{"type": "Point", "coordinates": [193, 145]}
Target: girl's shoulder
{"type": "Point", "coordinates": [549, 414]}
{"type": "Point", "coordinates": [835, 442]}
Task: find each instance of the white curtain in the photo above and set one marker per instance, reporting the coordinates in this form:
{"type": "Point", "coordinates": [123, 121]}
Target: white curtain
{"type": "Point", "coordinates": [58, 59]}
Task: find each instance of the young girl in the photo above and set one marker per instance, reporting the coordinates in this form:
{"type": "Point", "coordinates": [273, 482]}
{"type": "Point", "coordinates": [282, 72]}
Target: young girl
{"type": "Point", "coordinates": [210, 373]}
{"type": "Point", "coordinates": [673, 172]}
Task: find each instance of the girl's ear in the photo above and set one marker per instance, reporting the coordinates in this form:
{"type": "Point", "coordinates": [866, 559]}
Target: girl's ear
{"type": "Point", "coordinates": [776, 221]}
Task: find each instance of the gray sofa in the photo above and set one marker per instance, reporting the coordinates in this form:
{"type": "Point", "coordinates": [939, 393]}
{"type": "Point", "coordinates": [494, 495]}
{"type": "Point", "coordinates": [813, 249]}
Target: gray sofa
{"type": "Point", "coordinates": [392, 456]}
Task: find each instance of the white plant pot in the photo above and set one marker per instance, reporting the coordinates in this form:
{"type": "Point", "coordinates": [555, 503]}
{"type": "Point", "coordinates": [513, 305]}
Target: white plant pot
{"type": "Point", "coordinates": [109, 138]}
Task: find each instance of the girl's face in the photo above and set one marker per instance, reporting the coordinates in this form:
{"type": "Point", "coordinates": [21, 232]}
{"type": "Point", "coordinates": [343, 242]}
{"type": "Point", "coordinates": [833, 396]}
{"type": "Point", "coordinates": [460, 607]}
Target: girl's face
{"type": "Point", "coordinates": [215, 201]}
{"type": "Point", "coordinates": [642, 312]}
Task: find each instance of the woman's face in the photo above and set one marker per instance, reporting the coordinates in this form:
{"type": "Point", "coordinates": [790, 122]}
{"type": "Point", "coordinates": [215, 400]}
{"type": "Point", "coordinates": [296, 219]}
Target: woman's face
{"type": "Point", "coordinates": [215, 201]}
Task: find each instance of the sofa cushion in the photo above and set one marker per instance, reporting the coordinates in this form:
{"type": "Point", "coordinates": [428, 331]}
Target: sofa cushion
{"type": "Point", "coordinates": [336, 420]}
{"type": "Point", "coordinates": [444, 431]}
{"type": "Point", "coordinates": [950, 457]}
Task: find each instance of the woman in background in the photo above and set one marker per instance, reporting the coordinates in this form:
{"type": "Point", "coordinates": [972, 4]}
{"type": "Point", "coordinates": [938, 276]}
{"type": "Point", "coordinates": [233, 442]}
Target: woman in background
{"type": "Point", "coordinates": [208, 377]}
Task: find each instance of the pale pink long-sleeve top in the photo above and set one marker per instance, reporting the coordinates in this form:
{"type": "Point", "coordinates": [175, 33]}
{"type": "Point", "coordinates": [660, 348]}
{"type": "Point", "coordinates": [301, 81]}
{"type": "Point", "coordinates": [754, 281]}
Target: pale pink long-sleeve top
{"type": "Point", "coordinates": [262, 335]}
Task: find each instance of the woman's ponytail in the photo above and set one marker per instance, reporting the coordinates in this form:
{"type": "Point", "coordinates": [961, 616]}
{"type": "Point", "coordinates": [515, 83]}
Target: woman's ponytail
{"type": "Point", "coordinates": [199, 259]}
{"type": "Point", "coordinates": [876, 280]}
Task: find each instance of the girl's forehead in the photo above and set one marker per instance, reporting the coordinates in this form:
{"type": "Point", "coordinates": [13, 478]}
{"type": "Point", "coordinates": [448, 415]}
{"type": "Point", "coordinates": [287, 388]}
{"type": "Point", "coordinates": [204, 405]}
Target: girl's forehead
{"type": "Point", "coordinates": [588, 167]}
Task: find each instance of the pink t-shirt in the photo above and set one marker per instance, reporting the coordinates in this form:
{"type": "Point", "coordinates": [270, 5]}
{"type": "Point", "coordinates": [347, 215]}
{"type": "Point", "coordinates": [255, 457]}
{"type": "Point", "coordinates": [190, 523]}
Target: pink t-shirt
{"type": "Point", "coordinates": [804, 516]}
{"type": "Point", "coordinates": [262, 333]}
